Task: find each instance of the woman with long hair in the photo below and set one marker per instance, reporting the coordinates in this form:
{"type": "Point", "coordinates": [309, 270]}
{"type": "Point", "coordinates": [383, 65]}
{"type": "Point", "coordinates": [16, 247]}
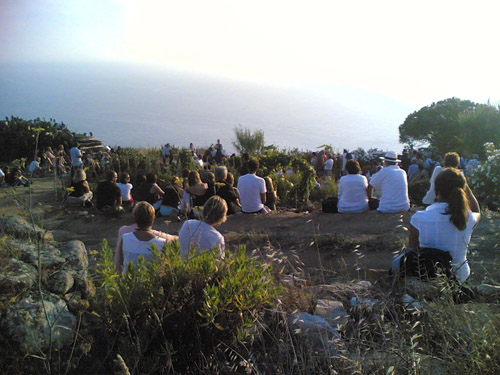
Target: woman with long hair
{"type": "Point", "coordinates": [447, 224]}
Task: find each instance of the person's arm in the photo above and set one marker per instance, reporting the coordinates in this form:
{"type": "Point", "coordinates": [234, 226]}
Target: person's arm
{"type": "Point", "coordinates": [155, 189]}
{"type": "Point", "coordinates": [166, 236]}
{"type": "Point", "coordinates": [119, 258]}
{"type": "Point", "coordinates": [413, 240]}
{"type": "Point", "coordinates": [86, 187]}
{"type": "Point", "coordinates": [473, 203]}
{"type": "Point", "coordinates": [263, 198]}
{"type": "Point", "coordinates": [369, 191]}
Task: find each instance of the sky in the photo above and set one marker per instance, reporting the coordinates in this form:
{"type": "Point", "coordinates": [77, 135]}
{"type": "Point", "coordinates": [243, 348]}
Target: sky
{"type": "Point", "coordinates": [416, 52]}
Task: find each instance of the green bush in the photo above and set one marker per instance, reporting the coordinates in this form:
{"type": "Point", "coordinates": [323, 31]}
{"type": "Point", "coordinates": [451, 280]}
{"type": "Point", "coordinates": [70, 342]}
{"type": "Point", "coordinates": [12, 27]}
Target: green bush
{"type": "Point", "coordinates": [180, 314]}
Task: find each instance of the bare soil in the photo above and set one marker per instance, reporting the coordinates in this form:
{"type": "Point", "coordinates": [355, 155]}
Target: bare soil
{"type": "Point", "coordinates": [327, 244]}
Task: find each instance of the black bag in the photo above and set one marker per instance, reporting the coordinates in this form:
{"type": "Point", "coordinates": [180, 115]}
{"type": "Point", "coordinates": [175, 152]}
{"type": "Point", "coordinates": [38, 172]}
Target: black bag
{"type": "Point", "coordinates": [329, 205]}
{"type": "Point", "coordinates": [373, 203]}
{"type": "Point", "coordinates": [426, 263]}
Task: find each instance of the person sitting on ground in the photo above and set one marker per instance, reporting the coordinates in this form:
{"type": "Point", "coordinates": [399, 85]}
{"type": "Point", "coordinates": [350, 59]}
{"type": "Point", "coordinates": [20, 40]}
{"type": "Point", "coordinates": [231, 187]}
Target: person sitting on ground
{"type": "Point", "coordinates": [451, 160]}
{"type": "Point", "coordinates": [171, 200]}
{"type": "Point", "coordinates": [352, 190]}
{"type": "Point", "coordinates": [34, 167]}
{"type": "Point", "coordinates": [230, 194]}
{"type": "Point", "coordinates": [195, 192]}
{"type": "Point", "coordinates": [139, 190]}
{"type": "Point", "coordinates": [109, 195]}
{"type": "Point", "coordinates": [155, 192]}
{"type": "Point", "coordinates": [15, 178]}
{"type": "Point", "coordinates": [446, 225]}
{"type": "Point", "coordinates": [252, 190]}
{"type": "Point", "coordinates": [271, 195]}
{"type": "Point", "coordinates": [136, 240]}
{"type": "Point", "coordinates": [2, 178]}
{"type": "Point", "coordinates": [201, 235]}
{"type": "Point", "coordinates": [420, 175]}
{"type": "Point", "coordinates": [393, 185]}
{"type": "Point", "coordinates": [210, 181]}
{"type": "Point", "coordinates": [81, 194]}
{"type": "Point", "coordinates": [126, 189]}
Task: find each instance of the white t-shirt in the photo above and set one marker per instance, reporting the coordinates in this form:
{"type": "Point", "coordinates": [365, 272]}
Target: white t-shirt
{"type": "Point", "coordinates": [431, 194]}
{"type": "Point", "coordinates": [251, 187]}
{"type": "Point", "coordinates": [437, 231]}
{"type": "Point", "coordinates": [133, 248]}
{"type": "Point", "coordinates": [125, 189]}
{"type": "Point", "coordinates": [393, 184]}
{"type": "Point", "coordinates": [76, 157]}
{"type": "Point", "coordinates": [328, 164]}
{"type": "Point", "coordinates": [201, 236]}
{"type": "Point", "coordinates": [352, 193]}
{"type": "Point", "coordinates": [33, 166]}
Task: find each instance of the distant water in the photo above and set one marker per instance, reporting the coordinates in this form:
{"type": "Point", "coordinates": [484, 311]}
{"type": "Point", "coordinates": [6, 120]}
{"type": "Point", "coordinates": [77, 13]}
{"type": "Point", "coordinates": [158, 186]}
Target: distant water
{"type": "Point", "coordinates": [143, 106]}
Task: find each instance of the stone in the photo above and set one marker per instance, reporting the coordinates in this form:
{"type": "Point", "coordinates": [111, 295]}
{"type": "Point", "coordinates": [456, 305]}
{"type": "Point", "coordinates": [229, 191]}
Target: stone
{"type": "Point", "coordinates": [344, 291]}
{"type": "Point", "coordinates": [365, 303]}
{"type": "Point", "coordinates": [75, 254]}
{"type": "Point", "coordinates": [322, 335]}
{"type": "Point", "coordinates": [17, 276]}
{"type": "Point", "coordinates": [75, 302]}
{"type": "Point", "coordinates": [332, 311]}
{"type": "Point", "coordinates": [418, 289]}
{"type": "Point", "coordinates": [37, 325]}
{"type": "Point", "coordinates": [28, 252]}
{"type": "Point", "coordinates": [60, 282]}
{"type": "Point", "coordinates": [488, 291]}
{"type": "Point", "coordinates": [19, 227]}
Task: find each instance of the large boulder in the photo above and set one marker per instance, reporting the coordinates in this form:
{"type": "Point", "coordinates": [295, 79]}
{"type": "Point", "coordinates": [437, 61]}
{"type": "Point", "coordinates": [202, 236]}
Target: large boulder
{"type": "Point", "coordinates": [36, 324]}
{"type": "Point", "coordinates": [19, 227]}
{"type": "Point", "coordinates": [75, 254]}
{"type": "Point", "coordinates": [17, 276]}
{"type": "Point", "coordinates": [332, 311]}
{"type": "Point", "coordinates": [60, 282]}
{"type": "Point", "coordinates": [322, 335]}
{"type": "Point", "coordinates": [28, 252]}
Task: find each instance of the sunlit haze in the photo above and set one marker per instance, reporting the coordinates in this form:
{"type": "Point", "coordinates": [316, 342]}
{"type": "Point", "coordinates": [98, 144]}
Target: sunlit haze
{"type": "Point", "coordinates": [410, 53]}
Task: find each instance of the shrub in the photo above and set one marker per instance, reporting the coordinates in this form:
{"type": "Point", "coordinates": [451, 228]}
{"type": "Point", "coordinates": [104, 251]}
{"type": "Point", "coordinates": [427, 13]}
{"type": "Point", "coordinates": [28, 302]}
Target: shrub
{"type": "Point", "coordinates": [485, 180]}
{"type": "Point", "coordinates": [246, 141]}
{"type": "Point", "coordinates": [180, 314]}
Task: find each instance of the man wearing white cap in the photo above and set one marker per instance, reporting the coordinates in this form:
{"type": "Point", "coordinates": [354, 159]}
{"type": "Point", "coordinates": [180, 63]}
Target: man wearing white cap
{"type": "Point", "coordinates": [393, 184]}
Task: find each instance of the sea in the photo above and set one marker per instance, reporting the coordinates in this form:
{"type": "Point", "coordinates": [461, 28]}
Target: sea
{"type": "Point", "coordinates": [147, 106]}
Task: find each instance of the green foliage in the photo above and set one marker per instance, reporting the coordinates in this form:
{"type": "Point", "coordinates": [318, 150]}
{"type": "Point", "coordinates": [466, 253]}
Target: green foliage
{"type": "Point", "coordinates": [249, 142]}
{"type": "Point", "coordinates": [437, 125]}
{"type": "Point", "coordinates": [485, 180]}
{"type": "Point", "coordinates": [186, 159]}
{"type": "Point", "coordinates": [480, 125]}
{"type": "Point", "coordinates": [180, 312]}
{"type": "Point", "coordinates": [18, 137]}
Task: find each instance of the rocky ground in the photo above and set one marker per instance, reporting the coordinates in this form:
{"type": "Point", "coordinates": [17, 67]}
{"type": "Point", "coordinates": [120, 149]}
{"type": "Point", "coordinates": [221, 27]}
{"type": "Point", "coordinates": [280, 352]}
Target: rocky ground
{"type": "Point", "coordinates": [326, 243]}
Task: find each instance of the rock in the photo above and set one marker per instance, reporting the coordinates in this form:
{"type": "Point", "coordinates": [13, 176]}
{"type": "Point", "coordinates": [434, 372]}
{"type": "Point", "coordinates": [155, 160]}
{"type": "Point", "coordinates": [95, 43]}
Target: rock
{"type": "Point", "coordinates": [323, 336]}
{"type": "Point", "coordinates": [62, 235]}
{"type": "Point", "coordinates": [364, 302]}
{"type": "Point", "coordinates": [18, 227]}
{"type": "Point", "coordinates": [35, 325]}
{"type": "Point", "coordinates": [60, 282]}
{"type": "Point", "coordinates": [75, 303]}
{"type": "Point", "coordinates": [488, 291]}
{"type": "Point", "coordinates": [419, 289]}
{"type": "Point", "coordinates": [332, 311]}
{"type": "Point", "coordinates": [50, 256]}
{"type": "Point", "coordinates": [17, 276]}
{"type": "Point", "coordinates": [75, 254]}
{"type": "Point", "coordinates": [341, 291]}
{"type": "Point", "coordinates": [411, 304]}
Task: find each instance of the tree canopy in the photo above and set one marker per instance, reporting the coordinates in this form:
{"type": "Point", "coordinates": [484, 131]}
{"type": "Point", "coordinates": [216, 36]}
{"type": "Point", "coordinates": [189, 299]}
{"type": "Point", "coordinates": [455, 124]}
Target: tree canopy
{"type": "Point", "coordinates": [249, 142]}
{"type": "Point", "coordinates": [453, 125]}
{"type": "Point", "coordinates": [18, 137]}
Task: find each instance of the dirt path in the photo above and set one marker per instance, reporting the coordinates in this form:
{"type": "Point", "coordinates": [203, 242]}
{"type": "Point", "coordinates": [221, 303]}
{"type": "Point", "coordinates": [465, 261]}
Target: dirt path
{"type": "Point", "coordinates": [327, 244]}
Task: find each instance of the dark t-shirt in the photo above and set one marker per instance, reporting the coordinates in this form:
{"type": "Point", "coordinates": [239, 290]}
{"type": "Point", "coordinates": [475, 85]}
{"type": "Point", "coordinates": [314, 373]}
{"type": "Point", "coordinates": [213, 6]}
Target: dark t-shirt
{"type": "Point", "coordinates": [108, 194]}
{"type": "Point", "coordinates": [230, 195]}
{"type": "Point", "coordinates": [171, 197]}
{"type": "Point", "coordinates": [80, 189]}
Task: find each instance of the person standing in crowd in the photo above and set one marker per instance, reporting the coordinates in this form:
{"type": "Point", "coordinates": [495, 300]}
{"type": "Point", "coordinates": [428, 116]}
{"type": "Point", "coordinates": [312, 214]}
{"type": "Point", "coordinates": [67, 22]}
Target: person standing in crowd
{"type": "Point", "coordinates": [166, 152]}
{"type": "Point", "coordinates": [76, 158]}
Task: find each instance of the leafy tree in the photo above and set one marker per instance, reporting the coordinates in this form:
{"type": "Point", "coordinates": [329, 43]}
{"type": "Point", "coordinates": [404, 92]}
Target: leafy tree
{"type": "Point", "coordinates": [479, 126]}
{"type": "Point", "coordinates": [437, 124]}
{"type": "Point", "coordinates": [246, 141]}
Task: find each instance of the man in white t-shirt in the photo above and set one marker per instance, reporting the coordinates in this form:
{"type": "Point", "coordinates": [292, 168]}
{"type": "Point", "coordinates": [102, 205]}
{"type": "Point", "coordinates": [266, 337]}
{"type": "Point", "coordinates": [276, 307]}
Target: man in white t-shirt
{"type": "Point", "coordinates": [392, 182]}
{"type": "Point", "coordinates": [76, 156]}
{"type": "Point", "coordinates": [252, 190]}
{"type": "Point", "coordinates": [329, 165]}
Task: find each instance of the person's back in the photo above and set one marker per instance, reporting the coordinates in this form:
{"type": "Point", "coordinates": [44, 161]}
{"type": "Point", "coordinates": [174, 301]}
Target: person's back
{"type": "Point", "coordinates": [133, 247]}
{"type": "Point", "coordinates": [392, 182]}
{"type": "Point", "coordinates": [252, 189]}
{"type": "Point", "coordinates": [352, 192]}
{"type": "Point", "coordinates": [108, 194]}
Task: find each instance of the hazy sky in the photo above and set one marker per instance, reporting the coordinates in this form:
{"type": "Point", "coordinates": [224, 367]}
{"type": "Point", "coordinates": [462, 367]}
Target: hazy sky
{"type": "Point", "coordinates": [416, 52]}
